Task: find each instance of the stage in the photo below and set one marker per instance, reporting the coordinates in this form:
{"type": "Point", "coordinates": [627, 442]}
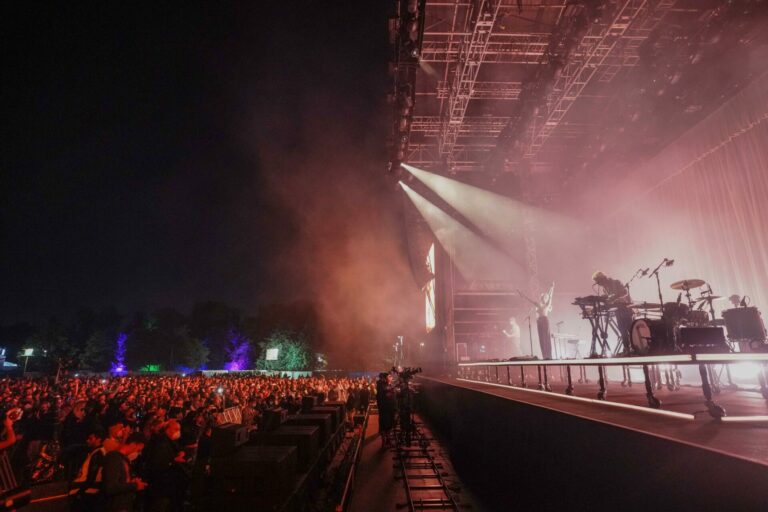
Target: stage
{"type": "Point", "coordinates": [517, 445]}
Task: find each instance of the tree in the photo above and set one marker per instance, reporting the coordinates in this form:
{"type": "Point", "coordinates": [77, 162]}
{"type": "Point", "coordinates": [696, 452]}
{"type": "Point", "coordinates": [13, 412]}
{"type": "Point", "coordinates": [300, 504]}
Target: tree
{"type": "Point", "coordinates": [238, 351]}
{"type": "Point", "coordinates": [51, 341]}
{"type": "Point", "coordinates": [192, 353]}
{"type": "Point", "coordinates": [293, 353]}
{"type": "Point", "coordinates": [211, 322]}
{"type": "Point", "coordinates": [98, 352]}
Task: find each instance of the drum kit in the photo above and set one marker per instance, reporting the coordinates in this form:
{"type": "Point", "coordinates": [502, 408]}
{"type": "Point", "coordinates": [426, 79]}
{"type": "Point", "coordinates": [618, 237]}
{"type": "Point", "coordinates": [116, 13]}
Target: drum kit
{"type": "Point", "coordinates": [664, 328]}
{"type": "Point", "coordinates": [687, 325]}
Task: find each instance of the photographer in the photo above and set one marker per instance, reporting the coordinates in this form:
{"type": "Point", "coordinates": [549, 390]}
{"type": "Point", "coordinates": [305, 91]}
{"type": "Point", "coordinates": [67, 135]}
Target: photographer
{"type": "Point", "coordinates": [12, 494]}
{"type": "Point", "coordinates": [118, 485]}
{"type": "Point", "coordinates": [8, 436]}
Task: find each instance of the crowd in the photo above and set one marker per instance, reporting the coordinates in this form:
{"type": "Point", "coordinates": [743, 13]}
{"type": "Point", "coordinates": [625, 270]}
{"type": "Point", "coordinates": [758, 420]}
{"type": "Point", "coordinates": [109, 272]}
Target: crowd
{"type": "Point", "coordinates": [127, 442]}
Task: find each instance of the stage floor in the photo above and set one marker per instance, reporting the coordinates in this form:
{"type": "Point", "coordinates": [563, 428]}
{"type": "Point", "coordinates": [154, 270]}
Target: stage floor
{"type": "Point", "coordinates": [747, 441]}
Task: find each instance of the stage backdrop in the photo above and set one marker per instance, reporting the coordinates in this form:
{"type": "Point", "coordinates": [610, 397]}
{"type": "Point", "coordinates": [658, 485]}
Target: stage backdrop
{"type": "Point", "coordinates": [702, 201]}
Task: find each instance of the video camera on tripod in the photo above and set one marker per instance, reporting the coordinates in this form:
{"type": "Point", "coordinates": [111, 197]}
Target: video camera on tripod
{"type": "Point", "coordinates": [406, 373]}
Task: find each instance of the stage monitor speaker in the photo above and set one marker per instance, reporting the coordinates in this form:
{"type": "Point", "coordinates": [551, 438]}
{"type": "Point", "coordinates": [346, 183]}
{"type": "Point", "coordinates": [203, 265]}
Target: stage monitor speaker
{"type": "Point", "coordinates": [273, 418]}
{"type": "Point", "coordinates": [226, 438]}
{"type": "Point", "coordinates": [694, 340]}
{"type": "Point", "coordinates": [340, 405]}
{"type": "Point", "coordinates": [305, 438]}
{"type": "Point", "coordinates": [744, 324]}
{"type": "Point", "coordinates": [308, 402]}
{"type": "Point", "coordinates": [255, 470]}
{"type": "Point", "coordinates": [336, 415]}
{"type": "Point", "coordinates": [323, 421]}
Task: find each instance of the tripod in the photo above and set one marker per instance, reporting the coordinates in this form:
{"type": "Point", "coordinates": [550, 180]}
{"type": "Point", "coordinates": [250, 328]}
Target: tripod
{"type": "Point", "coordinates": [407, 427]}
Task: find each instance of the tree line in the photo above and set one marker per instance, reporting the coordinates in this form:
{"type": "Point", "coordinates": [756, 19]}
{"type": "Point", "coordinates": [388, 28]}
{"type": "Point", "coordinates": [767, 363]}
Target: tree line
{"type": "Point", "coordinates": [212, 335]}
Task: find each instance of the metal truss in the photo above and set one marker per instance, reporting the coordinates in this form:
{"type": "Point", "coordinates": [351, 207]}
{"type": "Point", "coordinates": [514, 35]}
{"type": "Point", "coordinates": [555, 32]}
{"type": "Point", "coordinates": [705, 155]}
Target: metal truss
{"type": "Point", "coordinates": [499, 48]}
{"type": "Point", "coordinates": [470, 56]}
{"type": "Point", "coordinates": [632, 24]}
{"type": "Point", "coordinates": [430, 126]}
{"type": "Point", "coordinates": [480, 91]}
{"type": "Point", "coordinates": [466, 157]}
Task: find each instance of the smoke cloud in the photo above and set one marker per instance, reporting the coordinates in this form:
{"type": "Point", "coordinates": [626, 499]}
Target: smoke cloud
{"type": "Point", "coordinates": [342, 242]}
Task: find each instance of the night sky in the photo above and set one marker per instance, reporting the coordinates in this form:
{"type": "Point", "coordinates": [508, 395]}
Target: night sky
{"type": "Point", "coordinates": [160, 155]}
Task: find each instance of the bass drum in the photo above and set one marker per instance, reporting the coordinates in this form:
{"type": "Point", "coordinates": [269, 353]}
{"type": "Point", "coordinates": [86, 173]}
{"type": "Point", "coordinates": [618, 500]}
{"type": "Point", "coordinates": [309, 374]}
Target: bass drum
{"type": "Point", "coordinates": [650, 336]}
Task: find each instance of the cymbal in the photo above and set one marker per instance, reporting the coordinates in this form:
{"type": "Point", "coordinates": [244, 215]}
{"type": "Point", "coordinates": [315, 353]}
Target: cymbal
{"type": "Point", "coordinates": [687, 284]}
{"type": "Point", "coordinates": [709, 298]}
{"type": "Point", "coordinates": [645, 305]}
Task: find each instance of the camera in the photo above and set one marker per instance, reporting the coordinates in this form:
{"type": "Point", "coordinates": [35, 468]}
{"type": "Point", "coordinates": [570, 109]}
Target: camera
{"type": "Point", "coordinates": [406, 373]}
{"type": "Point", "coordinates": [14, 414]}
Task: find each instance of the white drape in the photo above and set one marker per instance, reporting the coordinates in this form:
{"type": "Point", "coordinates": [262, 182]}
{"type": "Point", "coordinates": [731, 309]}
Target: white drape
{"type": "Point", "coordinates": [702, 201]}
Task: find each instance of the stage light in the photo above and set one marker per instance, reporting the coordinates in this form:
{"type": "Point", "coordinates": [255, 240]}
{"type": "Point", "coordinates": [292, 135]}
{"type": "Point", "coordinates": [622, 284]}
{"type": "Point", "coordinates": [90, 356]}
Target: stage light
{"type": "Point", "coordinates": [474, 257]}
{"type": "Point", "coordinates": [500, 217]}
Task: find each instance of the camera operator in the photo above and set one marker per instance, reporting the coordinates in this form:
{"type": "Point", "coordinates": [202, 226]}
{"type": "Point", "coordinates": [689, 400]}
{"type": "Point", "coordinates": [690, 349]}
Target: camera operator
{"type": "Point", "coordinates": [405, 402]}
{"type": "Point", "coordinates": [385, 402]}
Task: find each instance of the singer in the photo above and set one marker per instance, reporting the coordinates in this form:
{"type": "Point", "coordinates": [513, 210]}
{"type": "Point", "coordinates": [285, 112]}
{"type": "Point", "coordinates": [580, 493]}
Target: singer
{"type": "Point", "coordinates": [543, 309]}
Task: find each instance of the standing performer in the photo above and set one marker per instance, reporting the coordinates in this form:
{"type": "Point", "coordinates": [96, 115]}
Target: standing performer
{"type": "Point", "coordinates": [543, 309]}
{"type": "Point", "coordinates": [512, 333]}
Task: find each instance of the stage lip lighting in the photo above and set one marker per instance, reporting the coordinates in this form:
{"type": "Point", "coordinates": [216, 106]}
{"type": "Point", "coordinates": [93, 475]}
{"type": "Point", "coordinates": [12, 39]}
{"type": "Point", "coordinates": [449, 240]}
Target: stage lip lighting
{"type": "Point", "coordinates": [608, 361]}
{"type": "Point", "coordinates": [738, 357]}
{"type": "Point", "coordinates": [744, 419]}
{"type": "Point", "coordinates": [638, 408]}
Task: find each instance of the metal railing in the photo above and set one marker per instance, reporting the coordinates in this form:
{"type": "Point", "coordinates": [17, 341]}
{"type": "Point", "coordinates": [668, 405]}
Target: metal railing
{"type": "Point", "coordinates": [349, 485]}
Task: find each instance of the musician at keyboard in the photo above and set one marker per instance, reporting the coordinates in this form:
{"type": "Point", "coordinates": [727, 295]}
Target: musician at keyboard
{"type": "Point", "coordinates": [617, 295]}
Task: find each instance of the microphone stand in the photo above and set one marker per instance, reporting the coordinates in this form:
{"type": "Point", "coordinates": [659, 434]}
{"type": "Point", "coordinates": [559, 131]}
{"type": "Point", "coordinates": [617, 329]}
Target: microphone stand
{"type": "Point", "coordinates": [530, 333]}
{"type": "Point", "coordinates": [658, 281]}
{"type": "Point", "coordinates": [637, 273]}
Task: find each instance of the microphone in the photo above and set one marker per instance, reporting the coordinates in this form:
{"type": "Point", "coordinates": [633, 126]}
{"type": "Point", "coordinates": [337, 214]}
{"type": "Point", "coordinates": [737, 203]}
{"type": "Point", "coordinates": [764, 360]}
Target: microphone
{"type": "Point", "coordinates": [645, 272]}
{"type": "Point", "coordinates": [743, 302]}
{"type": "Point", "coordinates": [669, 263]}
